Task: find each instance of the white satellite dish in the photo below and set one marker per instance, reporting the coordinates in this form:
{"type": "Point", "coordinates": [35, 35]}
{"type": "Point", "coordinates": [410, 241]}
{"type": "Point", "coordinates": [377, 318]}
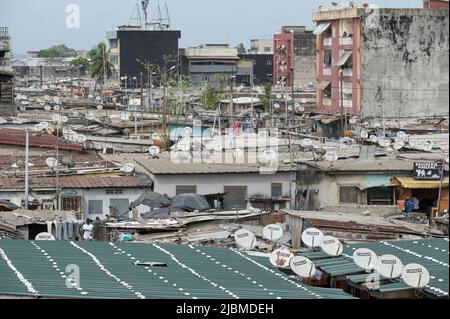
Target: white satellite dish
{"type": "Point", "coordinates": [401, 135]}
{"type": "Point", "coordinates": [128, 168]}
{"type": "Point", "coordinates": [57, 108]}
{"type": "Point", "coordinates": [307, 142]}
{"type": "Point", "coordinates": [51, 162]}
{"type": "Point", "coordinates": [238, 153]}
{"type": "Point", "coordinates": [269, 155]}
{"type": "Point", "coordinates": [331, 246]}
{"type": "Point", "coordinates": [302, 266]}
{"type": "Point", "coordinates": [364, 134]}
{"type": "Point", "coordinates": [276, 106]}
{"type": "Point", "coordinates": [156, 137]}
{"type": "Point", "coordinates": [280, 258]}
{"type": "Point", "coordinates": [427, 146]}
{"type": "Point", "coordinates": [90, 96]}
{"type": "Point", "coordinates": [296, 105]}
{"type": "Point", "coordinates": [416, 276]}
{"type": "Point", "coordinates": [373, 138]}
{"type": "Point", "coordinates": [311, 237]}
{"type": "Point", "coordinates": [187, 131]}
{"type": "Point", "coordinates": [154, 150]}
{"type": "Point", "coordinates": [279, 96]}
{"type": "Point", "coordinates": [99, 107]}
{"type": "Point", "coordinates": [399, 144]}
{"type": "Point", "coordinates": [245, 239]}
{"type": "Point", "coordinates": [447, 159]}
{"type": "Point", "coordinates": [389, 266]}
{"type": "Point", "coordinates": [413, 144]}
{"type": "Point", "coordinates": [44, 236]}
{"type": "Point", "coordinates": [383, 142]}
{"type": "Point", "coordinates": [331, 156]}
{"type": "Point", "coordinates": [273, 232]}
{"type": "Point", "coordinates": [44, 125]}
{"type": "Point", "coordinates": [56, 118]}
{"type": "Point", "coordinates": [81, 138]}
{"type": "Point", "coordinates": [124, 116]}
{"type": "Point", "coordinates": [75, 114]}
{"type": "Point", "coordinates": [64, 119]}
{"type": "Point", "coordinates": [365, 258]}
{"type": "Point", "coordinates": [353, 120]}
{"type": "Point", "coordinates": [56, 100]}
{"type": "Point", "coordinates": [46, 97]}
{"type": "Point", "coordinates": [47, 108]}
{"type": "Point", "coordinates": [303, 101]}
{"type": "Point", "coordinates": [98, 98]}
{"type": "Point", "coordinates": [91, 115]}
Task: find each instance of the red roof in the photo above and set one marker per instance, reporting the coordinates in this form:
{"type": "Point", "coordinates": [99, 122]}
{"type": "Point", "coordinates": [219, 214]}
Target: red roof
{"type": "Point", "coordinates": [71, 182]}
{"type": "Point", "coordinates": [37, 139]}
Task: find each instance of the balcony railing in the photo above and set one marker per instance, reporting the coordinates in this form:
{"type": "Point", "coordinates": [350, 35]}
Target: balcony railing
{"type": "Point", "coordinates": [347, 72]}
{"type": "Point", "coordinates": [346, 41]}
{"type": "Point", "coordinates": [327, 71]}
{"type": "Point", "coordinates": [5, 62]}
{"type": "Point", "coordinates": [4, 32]}
{"type": "Point", "coordinates": [327, 41]}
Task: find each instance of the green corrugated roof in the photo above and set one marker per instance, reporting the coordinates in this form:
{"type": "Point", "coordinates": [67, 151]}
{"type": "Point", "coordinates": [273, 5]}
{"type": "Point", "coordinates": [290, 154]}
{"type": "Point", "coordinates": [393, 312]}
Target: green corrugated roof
{"type": "Point", "coordinates": [431, 253]}
{"type": "Point", "coordinates": [107, 271]}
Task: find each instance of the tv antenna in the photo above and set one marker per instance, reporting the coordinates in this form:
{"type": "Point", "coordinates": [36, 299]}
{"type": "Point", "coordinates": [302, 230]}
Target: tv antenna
{"type": "Point", "coordinates": [273, 232]}
{"type": "Point", "coordinates": [311, 237]}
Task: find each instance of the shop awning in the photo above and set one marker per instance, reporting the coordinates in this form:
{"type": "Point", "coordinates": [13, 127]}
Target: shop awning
{"type": "Point", "coordinates": [322, 27]}
{"type": "Point", "coordinates": [323, 85]}
{"type": "Point", "coordinates": [373, 181]}
{"type": "Point", "coordinates": [411, 183]}
{"type": "Point", "coordinates": [344, 58]}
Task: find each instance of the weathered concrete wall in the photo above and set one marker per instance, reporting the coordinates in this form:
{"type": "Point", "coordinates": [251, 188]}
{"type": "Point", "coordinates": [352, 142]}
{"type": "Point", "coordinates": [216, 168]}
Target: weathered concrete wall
{"type": "Point", "coordinates": [405, 62]}
{"type": "Point", "coordinates": [304, 59]}
{"type": "Point", "coordinates": [374, 210]}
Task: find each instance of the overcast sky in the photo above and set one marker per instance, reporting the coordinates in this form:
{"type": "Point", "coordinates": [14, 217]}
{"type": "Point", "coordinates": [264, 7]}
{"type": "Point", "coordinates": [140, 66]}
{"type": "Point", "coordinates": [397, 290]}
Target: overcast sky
{"type": "Point", "coordinates": [37, 24]}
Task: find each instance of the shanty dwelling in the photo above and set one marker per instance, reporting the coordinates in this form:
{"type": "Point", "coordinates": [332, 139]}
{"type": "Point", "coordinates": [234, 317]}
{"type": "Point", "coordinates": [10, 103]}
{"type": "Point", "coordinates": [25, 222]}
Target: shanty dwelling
{"type": "Point", "coordinates": [94, 196]}
{"type": "Point", "coordinates": [378, 186]}
{"type": "Point", "coordinates": [237, 183]}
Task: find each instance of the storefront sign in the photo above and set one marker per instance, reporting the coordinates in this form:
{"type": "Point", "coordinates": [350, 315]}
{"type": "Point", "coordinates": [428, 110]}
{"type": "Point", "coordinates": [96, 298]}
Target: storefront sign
{"type": "Point", "coordinates": [428, 170]}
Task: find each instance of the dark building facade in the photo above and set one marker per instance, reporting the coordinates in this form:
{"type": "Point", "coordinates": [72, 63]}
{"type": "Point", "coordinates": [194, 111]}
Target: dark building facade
{"type": "Point", "coordinates": [262, 67]}
{"type": "Point", "coordinates": [130, 44]}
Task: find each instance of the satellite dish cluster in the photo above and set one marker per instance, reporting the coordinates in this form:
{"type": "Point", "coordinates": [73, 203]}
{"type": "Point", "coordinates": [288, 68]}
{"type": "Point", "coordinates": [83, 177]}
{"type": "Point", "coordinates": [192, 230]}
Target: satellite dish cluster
{"type": "Point", "coordinates": [388, 266]}
{"type": "Point", "coordinates": [73, 136]}
{"type": "Point", "coordinates": [318, 150]}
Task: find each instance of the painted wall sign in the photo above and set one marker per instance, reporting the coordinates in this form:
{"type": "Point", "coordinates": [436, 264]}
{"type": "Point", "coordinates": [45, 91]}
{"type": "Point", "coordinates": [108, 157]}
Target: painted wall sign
{"type": "Point", "coordinates": [428, 170]}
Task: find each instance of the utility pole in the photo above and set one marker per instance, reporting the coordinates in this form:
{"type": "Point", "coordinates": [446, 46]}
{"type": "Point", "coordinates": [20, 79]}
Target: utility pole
{"type": "Point", "coordinates": [57, 168]}
{"type": "Point", "coordinates": [292, 92]}
{"type": "Point", "coordinates": [341, 77]}
{"type": "Point", "coordinates": [441, 185]}
{"type": "Point", "coordinates": [40, 75]}
{"type": "Point", "coordinates": [142, 93]}
{"type": "Point", "coordinates": [27, 143]}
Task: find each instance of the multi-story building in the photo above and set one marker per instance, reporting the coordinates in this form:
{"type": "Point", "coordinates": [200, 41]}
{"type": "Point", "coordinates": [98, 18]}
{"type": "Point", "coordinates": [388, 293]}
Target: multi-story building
{"type": "Point", "coordinates": [391, 62]}
{"type": "Point", "coordinates": [262, 67]}
{"type": "Point", "coordinates": [294, 57]}
{"type": "Point", "coordinates": [131, 48]}
{"type": "Point", "coordinates": [261, 46]}
{"type": "Point", "coordinates": [6, 74]}
{"type": "Point", "coordinates": [435, 4]}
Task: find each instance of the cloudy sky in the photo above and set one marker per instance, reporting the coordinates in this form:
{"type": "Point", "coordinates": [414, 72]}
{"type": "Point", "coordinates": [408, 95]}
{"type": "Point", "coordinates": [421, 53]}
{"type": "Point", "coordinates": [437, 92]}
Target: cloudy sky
{"type": "Point", "coordinates": [37, 24]}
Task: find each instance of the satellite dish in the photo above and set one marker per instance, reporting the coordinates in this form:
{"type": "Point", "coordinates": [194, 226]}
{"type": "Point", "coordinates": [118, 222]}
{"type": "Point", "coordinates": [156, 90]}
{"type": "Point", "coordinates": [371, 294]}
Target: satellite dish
{"type": "Point", "coordinates": [98, 98]}
{"type": "Point", "coordinates": [238, 153]}
{"type": "Point", "coordinates": [90, 96]}
{"type": "Point", "coordinates": [365, 258]}
{"type": "Point", "coordinates": [44, 125]}
{"type": "Point", "coordinates": [280, 258]}
{"type": "Point", "coordinates": [311, 237]}
{"type": "Point", "coordinates": [57, 108]}
{"type": "Point", "coordinates": [302, 266]}
{"type": "Point", "coordinates": [399, 144]}
{"type": "Point", "coordinates": [273, 232]}
{"type": "Point", "coordinates": [156, 136]}
{"type": "Point", "coordinates": [124, 116]}
{"type": "Point", "coordinates": [56, 100]}
{"type": "Point", "coordinates": [364, 134]}
{"type": "Point", "coordinates": [276, 106]}
{"type": "Point", "coordinates": [91, 116]}
{"type": "Point", "coordinates": [279, 96]}
{"type": "Point", "coordinates": [384, 142]}
{"type": "Point", "coordinates": [373, 138]}
{"type": "Point", "coordinates": [81, 138]}
{"type": "Point", "coordinates": [416, 276]}
{"type": "Point", "coordinates": [44, 236]}
{"type": "Point", "coordinates": [51, 162]}
{"type": "Point", "coordinates": [47, 108]}
{"type": "Point", "coordinates": [245, 239]}
{"type": "Point", "coordinates": [46, 96]}
{"type": "Point", "coordinates": [331, 246]}
{"type": "Point", "coordinates": [64, 119]}
{"type": "Point", "coordinates": [447, 159]}
{"type": "Point", "coordinates": [427, 146]}
{"type": "Point", "coordinates": [269, 155]}
{"type": "Point", "coordinates": [187, 131]}
{"type": "Point", "coordinates": [320, 151]}
{"type": "Point", "coordinates": [154, 150]}
{"type": "Point", "coordinates": [303, 101]}
{"type": "Point", "coordinates": [353, 120]}
{"type": "Point", "coordinates": [99, 107]}
{"type": "Point", "coordinates": [389, 266]}
{"type": "Point", "coordinates": [307, 142]}
{"type": "Point", "coordinates": [401, 135]}
{"type": "Point", "coordinates": [297, 105]}
{"type": "Point", "coordinates": [331, 156]}
{"type": "Point", "coordinates": [56, 118]}
{"type": "Point", "coordinates": [68, 162]}
{"type": "Point", "coordinates": [128, 168]}
{"type": "Point", "coordinates": [76, 114]}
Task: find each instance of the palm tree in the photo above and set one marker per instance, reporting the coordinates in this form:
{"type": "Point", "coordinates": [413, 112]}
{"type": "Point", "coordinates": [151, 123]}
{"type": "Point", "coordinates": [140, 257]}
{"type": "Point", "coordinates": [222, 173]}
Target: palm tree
{"type": "Point", "coordinates": [100, 68]}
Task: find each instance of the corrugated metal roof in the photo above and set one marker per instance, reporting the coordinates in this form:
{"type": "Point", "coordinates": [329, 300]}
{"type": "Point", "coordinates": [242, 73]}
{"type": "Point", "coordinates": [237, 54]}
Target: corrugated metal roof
{"type": "Point", "coordinates": [431, 253]}
{"type": "Point", "coordinates": [36, 139]}
{"type": "Point", "coordinates": [409, 182]}
{"type": "Point", "coordinates": [108, 271]}
{"type": "Point", "coordinates": [8, 183]}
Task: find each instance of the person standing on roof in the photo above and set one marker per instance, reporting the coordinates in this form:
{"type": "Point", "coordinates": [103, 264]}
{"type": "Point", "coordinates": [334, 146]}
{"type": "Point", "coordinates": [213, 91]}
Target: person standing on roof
{"type": "Point", "coordinates": [87, 230]}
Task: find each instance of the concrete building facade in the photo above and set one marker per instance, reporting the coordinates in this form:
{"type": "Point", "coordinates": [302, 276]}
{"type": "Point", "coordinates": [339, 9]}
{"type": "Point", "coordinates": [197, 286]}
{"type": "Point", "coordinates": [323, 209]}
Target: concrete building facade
{"type": "Point", "coordinates": [261, 46]}
{"type": "Point", "coordinates": [6, 74]}
{"type": "Point", "coordinates": [393, 62]}
{"type": "Point", "coordinates": [262, 67]}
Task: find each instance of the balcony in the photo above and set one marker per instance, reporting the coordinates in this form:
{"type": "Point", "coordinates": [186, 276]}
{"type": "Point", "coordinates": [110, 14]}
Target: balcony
{"type": "Point", "coordinates": [346, 41]}
{"type": "Point", "coordinates": [327, 41]}
{"type": "Point", "coordinates": [327, 71]}
{"type": "Point", "coordinates": [347, 72]}
{"type": "Point", "coordinates": [326, 101]}
{"type": "Point", "coordinates": [5, 62]}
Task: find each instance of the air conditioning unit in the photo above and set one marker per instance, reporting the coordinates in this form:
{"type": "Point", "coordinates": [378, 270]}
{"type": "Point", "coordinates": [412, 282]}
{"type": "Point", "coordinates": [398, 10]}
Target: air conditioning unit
{"type": "Point", "coordinates": [48, 206]}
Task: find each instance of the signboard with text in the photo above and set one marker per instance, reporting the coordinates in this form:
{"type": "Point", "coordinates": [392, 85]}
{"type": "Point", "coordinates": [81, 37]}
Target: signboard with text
{"type": "Point", "coordinates": [430, 170]}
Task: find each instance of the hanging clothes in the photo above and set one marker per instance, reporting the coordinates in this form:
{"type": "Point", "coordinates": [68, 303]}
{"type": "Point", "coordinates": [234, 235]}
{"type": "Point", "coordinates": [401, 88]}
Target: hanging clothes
{"type": "Point", "coordinates": [58, 230]}
{"type": "Point", "coordinates": [64, 230]}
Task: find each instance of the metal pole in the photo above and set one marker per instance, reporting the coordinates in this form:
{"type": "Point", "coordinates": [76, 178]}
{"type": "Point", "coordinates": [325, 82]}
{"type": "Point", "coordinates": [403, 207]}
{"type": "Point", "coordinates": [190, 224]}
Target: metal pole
{"type": "Point", "coordinates": [440, 186]}
{"type": "Point", "coordinates": [27, 143]}
{"type": "Point", "coordinates": [341, 73]}
{"type": "Point", "coordinates": [57, 169]}
{"type": "Point", "coordinates": [292, 91]}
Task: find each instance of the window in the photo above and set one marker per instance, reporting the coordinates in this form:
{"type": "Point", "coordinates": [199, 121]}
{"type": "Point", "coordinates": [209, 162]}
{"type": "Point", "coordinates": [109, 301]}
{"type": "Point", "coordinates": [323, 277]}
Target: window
{"type": "Point", "coordinates": [327, 59]}
{"type": "Point", "coordinates": [95, 207]}
{"type": "Point", "coordinates": [270, 76]}
{"type": "Point", "coordinates": [71, 203]}
{"type": "Point", "coordinates": [267, 49]}
{"type": "Point", "coordinates": [114, 191]}
{"type": "Point", "coordinates": [190, 189]}
{"type": "Point", "coordinates": [235, 197]}
{"type": "Point", "coordinates": [118, 206]}
{"type": "Point", "coordinates": [277, 189]}
{"type": "Point", "coordinates": [380, 196]}
{"type": "Point", "coordinates": [349, 195]}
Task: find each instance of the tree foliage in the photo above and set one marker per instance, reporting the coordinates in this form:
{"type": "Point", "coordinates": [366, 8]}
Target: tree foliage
{"type": "Point", "coordinates": [100, 64]}
{"type": "Point", "coordinates": [211, 97]}
{"type": "Point", "coordinates": [81, 64]}
{"type": "Point", "coordinates": [241, 49]}
{"type": "Point", "coordinates": [57, 51]}
{"type": "Point", "coordinates": [266, 97]}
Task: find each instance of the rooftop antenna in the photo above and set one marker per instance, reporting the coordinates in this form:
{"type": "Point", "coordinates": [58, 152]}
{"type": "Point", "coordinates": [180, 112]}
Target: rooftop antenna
{"type": "Point", "coordinates": [331, 246]}
{"type": "Point", "coordinates": [245, 239]}
{"type": "Point", "coordinates": [365, 259]}
{"type": "Point", "coordinates": [135, 18]}
{"type": "Point", "coordinates": [390, 266]}
{"type": "Point", "coordinates": [273, 232]}
{"type": "Point", "coordinates": [312, 237]}
{"type": "Point", "coordinates": [415, 276]}
{"type": "Point", "coordinates": [302, 266]}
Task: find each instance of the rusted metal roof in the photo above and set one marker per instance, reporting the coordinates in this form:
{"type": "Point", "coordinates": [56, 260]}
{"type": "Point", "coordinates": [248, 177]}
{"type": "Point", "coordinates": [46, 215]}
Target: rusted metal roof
{"type": "Point", "coordinates": [36, 139]}
{"type": "Point", "coordinates": [71, 182]}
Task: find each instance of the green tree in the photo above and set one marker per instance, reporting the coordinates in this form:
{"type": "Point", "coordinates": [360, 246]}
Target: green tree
{"type": "Point", "coordinates": [57, 51]}
{"type": "Point", "coordinates": [81, 64]}
{"type": "Point", "coordinates": [241, 49]}
{"type": "Point", "coordinates": [266, 97]}
{"type": "Point", "coordinates": [100, 65]}
{"type": "Point", "coordinates": [211, 97]}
